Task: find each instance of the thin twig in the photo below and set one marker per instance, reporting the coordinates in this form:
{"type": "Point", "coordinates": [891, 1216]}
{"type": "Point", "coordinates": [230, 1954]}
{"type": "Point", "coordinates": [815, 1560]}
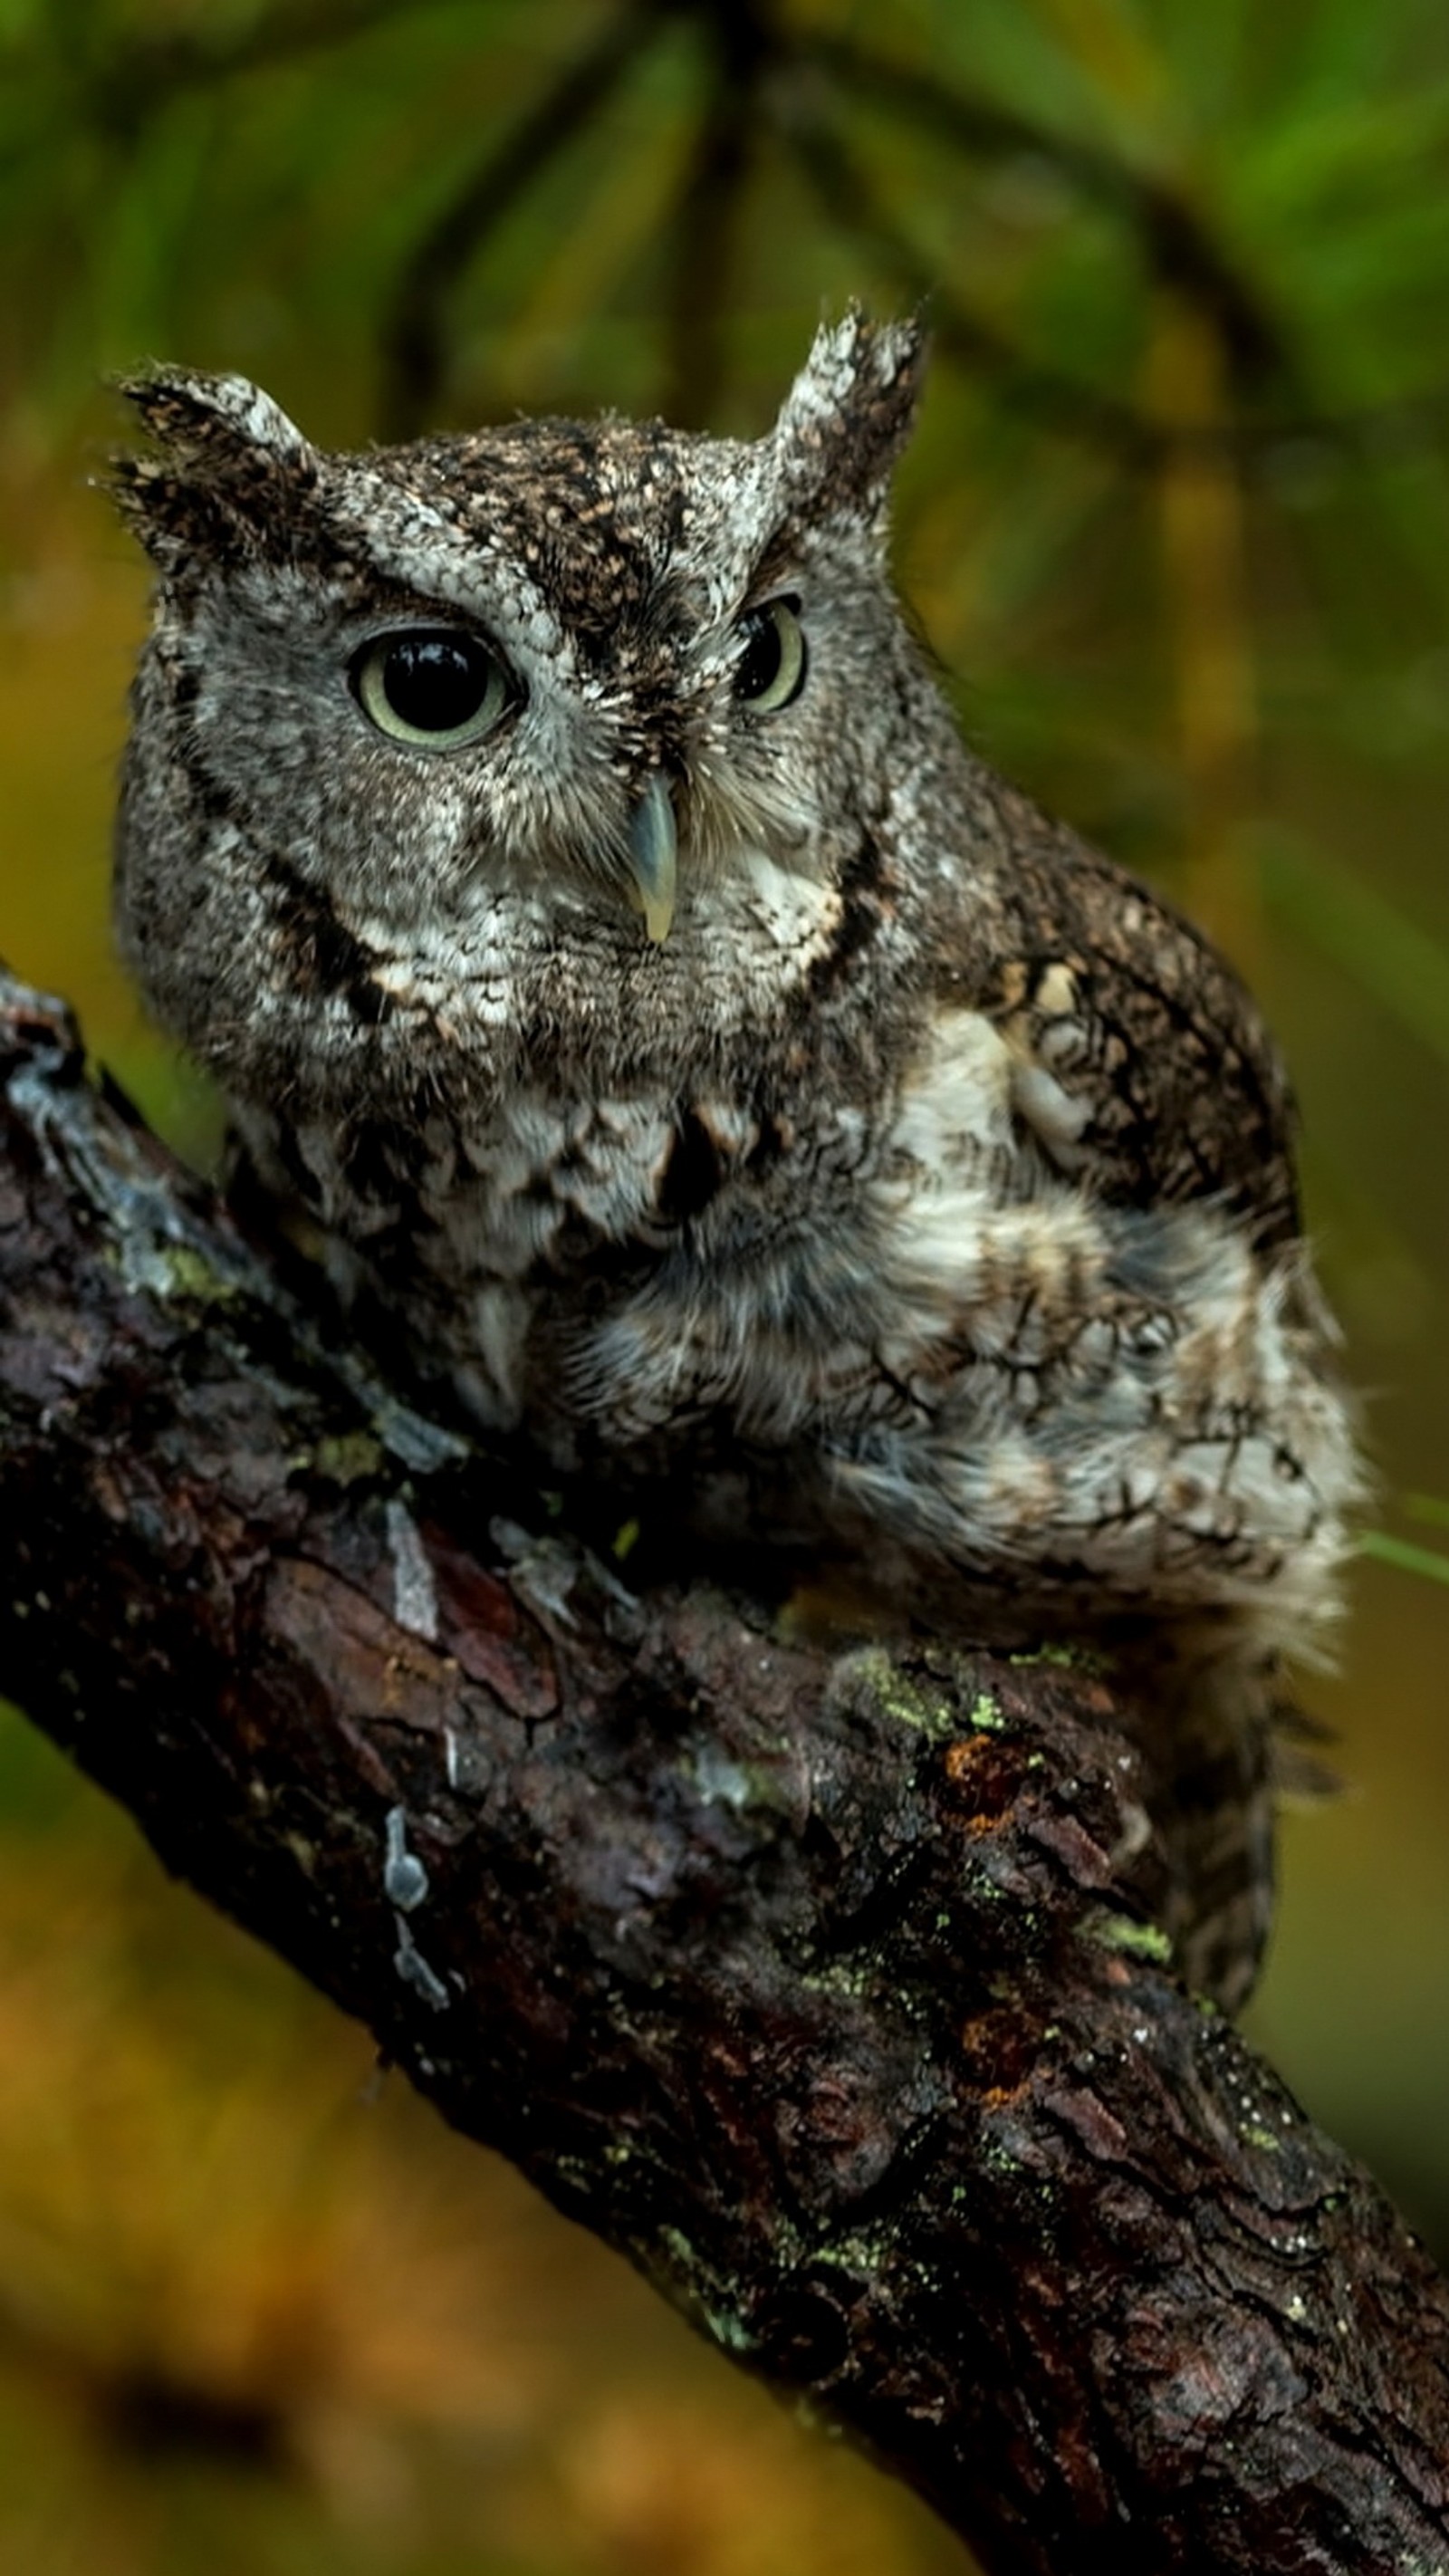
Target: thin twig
{"type": "Point", "coordinates": [128, 83]}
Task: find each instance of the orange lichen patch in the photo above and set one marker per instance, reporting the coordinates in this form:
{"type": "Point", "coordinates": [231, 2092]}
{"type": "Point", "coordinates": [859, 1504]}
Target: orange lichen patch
{"type": "Point", "coordinates": [988, 1775]}
{"type": "Point", "coordinates": [1000, 2050]}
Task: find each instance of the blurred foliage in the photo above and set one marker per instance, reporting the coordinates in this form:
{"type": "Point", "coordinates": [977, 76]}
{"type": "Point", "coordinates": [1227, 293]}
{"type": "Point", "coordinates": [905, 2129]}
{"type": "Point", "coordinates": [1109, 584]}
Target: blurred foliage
{"type": "Point", "coordinates": [1178, 512]}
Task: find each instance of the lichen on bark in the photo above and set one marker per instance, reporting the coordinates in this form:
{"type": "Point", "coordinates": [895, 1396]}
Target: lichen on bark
{"type": "Point", "coordinates": [829, 1986]}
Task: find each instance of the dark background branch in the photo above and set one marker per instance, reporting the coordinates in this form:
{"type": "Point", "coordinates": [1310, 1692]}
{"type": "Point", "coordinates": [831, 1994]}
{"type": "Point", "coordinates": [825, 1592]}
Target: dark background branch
{"type": "Point", "coordinates": [827, 1987]}
{"type": "Point", "coordinates": [739, 46]}
{"type": "Point", "coordinates": [770, 88]}
{"type": "Point", "coordinates": [415, 333]}
{"type": "Point", "coordinates": [123, 86]}
{"type": "Point", "coordinates": [1177, 242]}
{"type": "Point", "coordinates": [850, 201]}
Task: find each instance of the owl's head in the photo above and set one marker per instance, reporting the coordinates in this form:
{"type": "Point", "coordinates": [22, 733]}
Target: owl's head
{"type": "Point", "coordinates": [557, 736]}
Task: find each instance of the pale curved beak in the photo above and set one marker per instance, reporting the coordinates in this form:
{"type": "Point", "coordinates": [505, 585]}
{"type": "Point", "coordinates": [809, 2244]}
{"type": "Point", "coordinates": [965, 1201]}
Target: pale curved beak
{"type": "Point", "coordinates": [653, 858]}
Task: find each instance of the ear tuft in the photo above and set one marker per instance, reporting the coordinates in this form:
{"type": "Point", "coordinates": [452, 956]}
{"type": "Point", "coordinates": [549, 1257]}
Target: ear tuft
{"type": "Point", "coordinates": [229, 456]}
{"type": "Point", "coordinates": [850, 410]}
{"type": "Point", "coordinates": [219, 420]}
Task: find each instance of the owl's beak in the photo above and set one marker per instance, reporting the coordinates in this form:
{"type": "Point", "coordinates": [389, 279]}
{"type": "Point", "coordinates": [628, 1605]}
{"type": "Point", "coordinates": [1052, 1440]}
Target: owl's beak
{"type": "Point", "coordinates": [653, 852]}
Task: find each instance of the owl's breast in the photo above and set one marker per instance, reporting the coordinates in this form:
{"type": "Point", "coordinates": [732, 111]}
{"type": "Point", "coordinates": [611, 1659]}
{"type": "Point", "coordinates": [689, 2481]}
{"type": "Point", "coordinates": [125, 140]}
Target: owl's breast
{"type": "Point", "coordinates": [504, 1246]}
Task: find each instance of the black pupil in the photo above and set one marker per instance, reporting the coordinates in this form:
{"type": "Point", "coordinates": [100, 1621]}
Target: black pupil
{"type": "Point", "coordinates": [435, 682]}
{"type": "Point", "coordinates": [760, 665]}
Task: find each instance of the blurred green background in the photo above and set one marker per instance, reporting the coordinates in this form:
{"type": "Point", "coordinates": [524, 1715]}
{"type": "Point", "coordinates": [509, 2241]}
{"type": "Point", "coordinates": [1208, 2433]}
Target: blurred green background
{"type": "Point", "coordinates": [1177, 519]}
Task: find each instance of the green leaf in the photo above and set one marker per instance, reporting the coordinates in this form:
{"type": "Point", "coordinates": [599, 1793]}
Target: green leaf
{"type": "Point", "coordinates": [1402, 1553]}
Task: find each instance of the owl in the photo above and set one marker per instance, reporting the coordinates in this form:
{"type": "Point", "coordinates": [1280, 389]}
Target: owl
{"type": "Point", "coordinates": [556, 843]}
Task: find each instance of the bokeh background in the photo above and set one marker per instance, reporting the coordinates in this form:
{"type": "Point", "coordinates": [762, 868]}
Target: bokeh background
{"type": "Point", "coordinates": [1177, 520]}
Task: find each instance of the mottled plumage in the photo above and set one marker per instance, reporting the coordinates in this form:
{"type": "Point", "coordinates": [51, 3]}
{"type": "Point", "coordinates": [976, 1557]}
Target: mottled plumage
{"type": "Point", "coordinates": [718, 1074]}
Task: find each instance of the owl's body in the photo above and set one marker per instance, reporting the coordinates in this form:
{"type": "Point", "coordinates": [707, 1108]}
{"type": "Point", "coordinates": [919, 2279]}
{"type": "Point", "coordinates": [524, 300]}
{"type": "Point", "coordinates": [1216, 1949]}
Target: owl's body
{"type": "Point", "coordinates": [721, 1078]}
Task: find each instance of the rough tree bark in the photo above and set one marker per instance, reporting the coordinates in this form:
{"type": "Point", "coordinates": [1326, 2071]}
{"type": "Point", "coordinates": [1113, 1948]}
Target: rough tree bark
{"type": "Point", "coordinates": [826, 1987]}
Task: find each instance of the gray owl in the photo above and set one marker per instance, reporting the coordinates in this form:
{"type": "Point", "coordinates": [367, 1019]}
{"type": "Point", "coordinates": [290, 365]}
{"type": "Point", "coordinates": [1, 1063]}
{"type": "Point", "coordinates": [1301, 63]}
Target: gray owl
{"type": "Point", "coordinates": [557, 845]}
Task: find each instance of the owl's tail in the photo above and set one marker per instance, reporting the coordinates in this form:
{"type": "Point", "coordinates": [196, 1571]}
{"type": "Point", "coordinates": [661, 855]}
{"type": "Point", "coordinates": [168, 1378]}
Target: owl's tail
{"type": "Point", "coordinates": [1222, 1750]}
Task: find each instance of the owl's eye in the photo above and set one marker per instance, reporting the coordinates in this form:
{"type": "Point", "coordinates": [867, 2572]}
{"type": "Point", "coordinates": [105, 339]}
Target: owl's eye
{"type": "Point", "coordinates": [771, 669]}
{"type": "Point", "coordinates": [433, 686]}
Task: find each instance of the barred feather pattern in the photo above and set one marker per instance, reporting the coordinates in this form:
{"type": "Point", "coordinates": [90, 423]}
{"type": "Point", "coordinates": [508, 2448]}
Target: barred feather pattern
{"type": "Point", "coordinates": [881, 1177]}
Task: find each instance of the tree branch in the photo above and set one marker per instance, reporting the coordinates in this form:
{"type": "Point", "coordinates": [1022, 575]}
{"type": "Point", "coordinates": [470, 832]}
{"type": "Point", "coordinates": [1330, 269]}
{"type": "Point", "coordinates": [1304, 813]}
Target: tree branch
{"type": "Point", "coordinates": [826, 1987]}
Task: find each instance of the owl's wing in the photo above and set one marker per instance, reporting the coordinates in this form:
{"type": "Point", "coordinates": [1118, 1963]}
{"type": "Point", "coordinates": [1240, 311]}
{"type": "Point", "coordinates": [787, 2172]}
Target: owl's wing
{"type": "Point", "coordinates": [1144, 1065]}
{"type": "Point", "coordinates": [1143, 1070]}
